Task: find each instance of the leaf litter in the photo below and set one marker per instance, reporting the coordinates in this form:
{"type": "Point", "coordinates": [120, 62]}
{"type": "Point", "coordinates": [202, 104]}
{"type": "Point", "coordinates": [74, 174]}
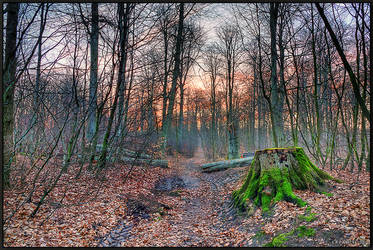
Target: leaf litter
{"type": "Point", "coordinates": [195, 212]}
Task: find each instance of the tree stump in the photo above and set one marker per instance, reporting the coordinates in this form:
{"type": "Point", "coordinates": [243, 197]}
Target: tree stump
{"type": "Point", "coordinates": [273, 174]}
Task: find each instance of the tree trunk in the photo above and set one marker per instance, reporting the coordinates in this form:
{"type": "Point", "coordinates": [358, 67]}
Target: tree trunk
{"type": "Point", "coordinates": [9, 77]}
{"type": "Point", "coordinates": [166, 72]}
{"type": "Point", "coordinates": [133, 157]}
{"type": "Point", "coordinates": [363, 136]}
{"type": "Point", "coordinates": [122, 58]}
{"type": "Point", "coordinates": [93, 74]}
{"type": "Point", "coordinates": [276, 115]}
{"type": "Point", "coordinates": [180, 127]}
{"type": "Point", "coordinates": [251, 142]}
{"type": "Point", "coordinates": [123, 31]}
{"type": "Point", "coordinates": [167, 122]}
{"type": "Point", "coordinates": [213, 118]}
{"type": "Point", "coordinates": [150, 113]}
{"type": "Point", "coordinates": [124, 126]}
{"type": "Point", "coordinates": [316, 128]}
{"type": "Point", "coordinates": [223, 165]}
{"type": "Point", "coordinates": [272, 176]}
{"type": "Point", "coordinates": [137, 161]}
{"type": "Point", "coordinates": [127, 152]}
{"type": "Point", "coordinates": [150, 162]}
{"type": "Point", "coordinates": [36, 100]}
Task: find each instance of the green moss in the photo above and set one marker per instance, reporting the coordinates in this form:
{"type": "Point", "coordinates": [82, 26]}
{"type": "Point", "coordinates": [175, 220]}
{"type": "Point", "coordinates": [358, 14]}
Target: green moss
{"type": "Point", "coordinates": [247, 190]}
{"type": "Point", "coordinates": [308, 218]}
{"type": "Point", "coordinates": [259, 234]}
{"type": "Point", "coordinates": [266, 185]}
{"type": "Point", "coordinates": [158, 218]}
{"type": "Point", "coordinates": [306, 163]}
{"type": "Point", "coordinates": [176, 193]}
{"type": "Point", "coordinates": [276, 180]}
{"type": "Point", "coordinates": [304, 231]}
{"type": "Point", "coordinates": [327, 194]}
{"type": "Point", "coordinates": [279, 240]}
{"type": "Point", "coordinates": [266, 200]}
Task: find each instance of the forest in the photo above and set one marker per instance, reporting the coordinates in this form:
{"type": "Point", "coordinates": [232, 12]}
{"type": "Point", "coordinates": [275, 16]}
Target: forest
{"type": "Point", "coordinates": [186, 124]}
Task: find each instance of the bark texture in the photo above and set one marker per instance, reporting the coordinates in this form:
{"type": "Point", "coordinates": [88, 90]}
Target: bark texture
{"type": "Point", "coordinates": [135, 158]}
{"type": "Point", "coordinates": [223, 165]}
{"type": "Point", "coordinates": [9, 76]}
{"type": "Point", "coordinates": [93, 73]}
{"type": "Point", "coordinates": [272, 176]}
{"type": "Point", "coordinates": [176, 72]}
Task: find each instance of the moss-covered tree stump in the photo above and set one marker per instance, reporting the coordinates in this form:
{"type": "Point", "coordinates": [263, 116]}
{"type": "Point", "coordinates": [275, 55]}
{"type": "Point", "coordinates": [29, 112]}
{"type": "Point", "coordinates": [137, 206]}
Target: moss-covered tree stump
{"type": "Point", "coordinates": [273, 175]}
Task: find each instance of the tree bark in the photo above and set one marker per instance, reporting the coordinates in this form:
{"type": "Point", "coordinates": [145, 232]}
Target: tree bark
{"type": "Point", "coordinates": [223, 165]}
{"type": "Point", "coordinates": [272, 176]}
{"type": "Point", "coordinates": [165, 67]}
{"type": "Point", "coordinates": [35, 134]}
{"type": "Point", "coordinates": [176, 72]}
{"type": "Point", "coordinates": [276, 116]}
{"type": "Point", "coordinates": [92, 108]}
{"type": "Point", "coordinates": [123, 40]}
{"type": "Point", "coordinates": [132, 157]}
{"type": "Point", "coordinates": [127, 152]}
{"type": "Point", "coordinates": [180, 127]}
{"type": "Point", "coordinates": [140, 161]}
{"type": "Point", "coordinates": [123, 30]}
{"type": "Point", "coordinates": [9, 77]}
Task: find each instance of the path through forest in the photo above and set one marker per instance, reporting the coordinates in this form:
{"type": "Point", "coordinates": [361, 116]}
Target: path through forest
{"type": "Point", "coordinates": [181, 206]}
{"type": "Point", "coordinates": [189, 208]}
{"type": "Point", "coordinates": [199, 216]}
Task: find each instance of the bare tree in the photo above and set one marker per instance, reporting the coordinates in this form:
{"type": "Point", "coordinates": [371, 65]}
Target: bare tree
{"type": "Point", "coordinates": [176, 71]}
{"type": "Point", "coordinates": [9, 82]}
{"type": "Point", "coordinates": [92, 107]}
{"type": "Point", "coordinates": [354, 81]}
{"type": "Point", "coordinates": [276, 106]}
{"type": "Point", "coordinates": [230, 48]}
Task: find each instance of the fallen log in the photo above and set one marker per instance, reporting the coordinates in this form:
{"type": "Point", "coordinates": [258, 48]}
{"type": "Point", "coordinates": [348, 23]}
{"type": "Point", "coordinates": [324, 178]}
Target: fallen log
{"type": "Point", "coordinates": [131, 157]}
{"type": "Point", "coordinates": [136, 161]}
{"type": "Point", "coordinates": [128, 153]}
{"type": "Point", "coordinates": [223, 165]}
{"type": "Point", "coordinates": [150, 162]}
{"type": "Point", "coordinates": [134, 154]}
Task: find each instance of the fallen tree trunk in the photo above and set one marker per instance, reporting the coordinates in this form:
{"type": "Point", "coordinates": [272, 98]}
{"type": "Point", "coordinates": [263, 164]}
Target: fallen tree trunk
{"type": "Point", "coordinates": [134, 154]}
{"type": "Point", "coordinates": [150, 162]}
{"type": "Point", "coordinates": [136, 161]}
{"type": "Point", "coordinates": [272, 176]}
{"type": "Point", "coordinates": [128, 153]}
{"type": "Point", "coordinates": [223, 165]}
{"type": "Point", "coordinates": [134, 158]}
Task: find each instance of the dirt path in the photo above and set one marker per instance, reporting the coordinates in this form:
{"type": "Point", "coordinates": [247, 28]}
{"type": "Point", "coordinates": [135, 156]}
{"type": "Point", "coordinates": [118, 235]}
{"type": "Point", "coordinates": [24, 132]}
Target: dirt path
{"type": "Point", "coordinates": [189, 208]}
{"type": "Point", "coordinates": [197, 214]}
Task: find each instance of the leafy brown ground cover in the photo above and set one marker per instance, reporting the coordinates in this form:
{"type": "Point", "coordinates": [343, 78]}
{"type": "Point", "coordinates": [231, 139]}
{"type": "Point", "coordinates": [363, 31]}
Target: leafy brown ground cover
{"type": "Point", "coordinates": [193, 212]}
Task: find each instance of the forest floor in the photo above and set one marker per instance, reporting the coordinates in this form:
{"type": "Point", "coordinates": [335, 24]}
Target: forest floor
{"type": "Point", "coordinates": [181, 206]}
